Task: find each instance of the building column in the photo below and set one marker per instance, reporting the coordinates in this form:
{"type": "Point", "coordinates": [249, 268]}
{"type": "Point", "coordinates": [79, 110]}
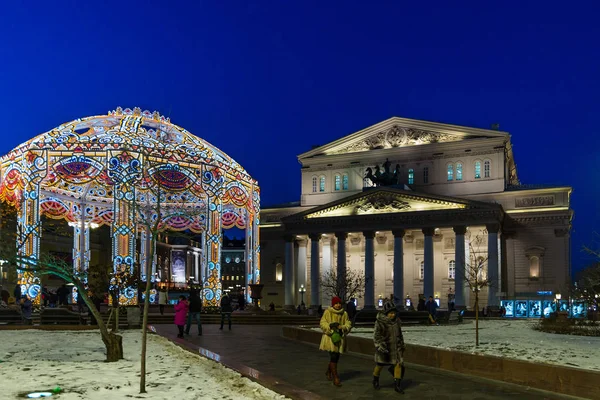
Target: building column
{"type": "Point", "coordinates": [196, 267]}
{"type": "Point", "coordinates": [300, 268]}
{"type": "Point", "coordinates": [459, 271]}
{"type": "Point", "coordinates": [398, 266]}
{"type": "Point", "coordinates": [315, 271]}
{"type": "Point", "coordinates": [288, 275]}
{"type": "Point", "coordinates": [369, 270]}
{"type": "Point", "coordinates": [492, 262]}
{"type": "Point", "coordinates": [428, 262]}
{"type": "Point", "coordinates": [341, 263]}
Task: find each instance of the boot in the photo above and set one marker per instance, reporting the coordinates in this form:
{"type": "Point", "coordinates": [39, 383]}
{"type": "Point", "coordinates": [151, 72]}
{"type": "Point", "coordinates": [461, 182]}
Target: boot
{"type": "Point", "coordinates": [221, 328]}
{"type": "Point", "coordinates": [229, 325]}
{"type": "Point", "coordinates": [397, 386]}
{"type": "Point", "coordinates": [334, 374]}
{"type": "Point", "coordinates": [376, 382]}
{"type": "Point", "coordinates": [328, 373]}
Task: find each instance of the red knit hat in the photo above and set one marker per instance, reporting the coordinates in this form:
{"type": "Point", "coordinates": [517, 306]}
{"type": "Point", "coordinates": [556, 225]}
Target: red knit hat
{"type": "Point", "coordinates": [335, 300]}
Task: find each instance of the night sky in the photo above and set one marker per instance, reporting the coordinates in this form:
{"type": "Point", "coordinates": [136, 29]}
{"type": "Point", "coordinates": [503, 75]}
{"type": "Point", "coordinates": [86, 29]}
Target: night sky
{"type": "Point", "coordinates": [265, 80]}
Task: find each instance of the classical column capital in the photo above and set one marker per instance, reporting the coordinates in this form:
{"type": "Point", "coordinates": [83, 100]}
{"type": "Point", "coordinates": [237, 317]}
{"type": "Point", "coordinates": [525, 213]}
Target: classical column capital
{"type": "Point", "coordinates": [369, 234]}
{"type": "Point", "coordinates": [492, 228]}
{"type": "Point", "coordinates": [428, 231]}
{"type": "Point", "coordinates": [398, 233]}
{"type": "Point", "coordinates": [302, 242]}
{"type": "Point", "coordinates": [341, 235]}
{"type": "Point", "coordinates": [315, 236]}
{"type": "Point", "coordinates": [460, 230]}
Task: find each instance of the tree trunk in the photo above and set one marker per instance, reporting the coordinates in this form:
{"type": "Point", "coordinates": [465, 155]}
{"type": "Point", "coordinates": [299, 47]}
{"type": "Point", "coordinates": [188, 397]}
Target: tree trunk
{"type": "Point", "coordinates": [144, 330]}
{"type": "Point", "coordinates": [476, 319]}
{"type": "Point", "coordinates": [114, 346]}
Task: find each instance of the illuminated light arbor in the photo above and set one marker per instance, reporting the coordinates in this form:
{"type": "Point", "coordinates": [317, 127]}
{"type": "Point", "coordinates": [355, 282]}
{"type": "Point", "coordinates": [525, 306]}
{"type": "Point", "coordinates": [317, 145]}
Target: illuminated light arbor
{"type": "Point", "coordinates": [119, 169]}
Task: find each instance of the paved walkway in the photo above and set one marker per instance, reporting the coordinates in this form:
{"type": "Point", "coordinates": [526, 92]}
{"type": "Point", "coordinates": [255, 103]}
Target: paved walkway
{"type": "Point", "coordinates": [302, 366]}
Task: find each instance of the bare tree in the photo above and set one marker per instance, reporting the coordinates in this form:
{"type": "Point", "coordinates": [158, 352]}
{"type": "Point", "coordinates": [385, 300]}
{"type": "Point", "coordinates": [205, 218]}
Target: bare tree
{"type": "Point", "coordinates": [476, 274]}
{"type": "Point", "coordinates": [351, 285]}
{"type": "Point", "coordinates": [587, 285]}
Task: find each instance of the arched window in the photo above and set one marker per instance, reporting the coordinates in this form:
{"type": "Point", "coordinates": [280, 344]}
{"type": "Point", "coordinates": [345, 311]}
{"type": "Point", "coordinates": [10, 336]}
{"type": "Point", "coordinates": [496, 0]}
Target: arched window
{"type": "Point", "coordinates": [426, 175]}
{"type": "Point", "coordinates": [322, 184]}
{"type": "Point", "coordinates": [278, 272]}
{"type": "Point", "coordinates": [534, 267]}
{"type": "Point", "coordinates": [459, 171]}
{"type": "Point", "coordinates": [422, 270]}
{"type": "Point", "coordinates": [477, 169]}
{"type": "Point", "coordinates": [487, 164]}
{"type": "Point", "coordinates": [450, 172]}
{"type": "Point", "coordinates": [451, 269]}
{"type": "Point", "coordinates": [345, 182]}
{"type": "Point", "coordinates": [411, 176]}
{"type": "Point", "coordinates": [338, 182]}
{"type": "Point", "coordinates": [314, 184]}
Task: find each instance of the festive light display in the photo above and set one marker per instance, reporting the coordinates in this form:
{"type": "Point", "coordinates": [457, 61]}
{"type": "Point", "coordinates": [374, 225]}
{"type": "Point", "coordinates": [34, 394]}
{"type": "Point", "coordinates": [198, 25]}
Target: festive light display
{"type": "Point", "coordinates": [107, 170]}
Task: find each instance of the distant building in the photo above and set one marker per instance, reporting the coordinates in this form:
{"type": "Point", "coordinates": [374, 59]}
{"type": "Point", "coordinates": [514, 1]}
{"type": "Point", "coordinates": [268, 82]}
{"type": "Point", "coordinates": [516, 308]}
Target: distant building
{"type": "Point", "coordinates": [404, 200]}
{"type": "Point", "coordinates": [233, 265]}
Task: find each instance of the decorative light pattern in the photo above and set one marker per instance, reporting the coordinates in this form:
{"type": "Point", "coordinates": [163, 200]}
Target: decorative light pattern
{"type": "Point", "coordinates": [101, 169]}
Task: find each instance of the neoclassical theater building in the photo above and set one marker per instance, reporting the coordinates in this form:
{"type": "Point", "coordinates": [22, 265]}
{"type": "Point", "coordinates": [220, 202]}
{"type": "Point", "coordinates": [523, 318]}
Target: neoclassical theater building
{"type": "Point", "coordinates": [413, 203]}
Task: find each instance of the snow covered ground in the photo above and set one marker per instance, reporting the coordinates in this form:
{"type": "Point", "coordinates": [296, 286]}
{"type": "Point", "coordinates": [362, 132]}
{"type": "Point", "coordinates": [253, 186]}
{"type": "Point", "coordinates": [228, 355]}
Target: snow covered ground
{"type": "Point", "coordinates": [34, 360]}
{"type": "Point", "coordinates": [506, 338]}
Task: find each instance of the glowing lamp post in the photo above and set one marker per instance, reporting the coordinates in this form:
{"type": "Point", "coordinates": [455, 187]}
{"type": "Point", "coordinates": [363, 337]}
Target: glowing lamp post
{"type": "Point", "coordinates": [302, 290]}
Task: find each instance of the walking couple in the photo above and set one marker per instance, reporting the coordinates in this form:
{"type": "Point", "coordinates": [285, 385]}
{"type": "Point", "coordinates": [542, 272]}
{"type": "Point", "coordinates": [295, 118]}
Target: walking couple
{"type": "Point", "coordinates": [186, 310]}
{"type": "Point", "coordinates": [387, 337]}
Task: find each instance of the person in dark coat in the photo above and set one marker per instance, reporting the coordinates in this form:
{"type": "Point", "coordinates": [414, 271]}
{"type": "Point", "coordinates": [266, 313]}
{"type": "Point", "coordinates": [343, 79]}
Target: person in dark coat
{"type": "Point", "coordinates": [26, 309]}
{"type": "Point", "coordinates": [351, 309]}
{"type": "Point", "coordinates": [17, 293]}
{"type": "Point", "coordinates": [389, 346]}
{"type": "Point", "coordinates": [226, 310]}
{"type": "Point", "coordinates": [194, 312]}
{"type": "Point", "coordinates": [431, 307]}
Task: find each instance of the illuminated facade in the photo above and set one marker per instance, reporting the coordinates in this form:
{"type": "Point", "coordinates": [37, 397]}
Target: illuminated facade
{"type": "Point", "coordinates": [111, 170]}
{"type": "Point", "coordinates": [403, 201]}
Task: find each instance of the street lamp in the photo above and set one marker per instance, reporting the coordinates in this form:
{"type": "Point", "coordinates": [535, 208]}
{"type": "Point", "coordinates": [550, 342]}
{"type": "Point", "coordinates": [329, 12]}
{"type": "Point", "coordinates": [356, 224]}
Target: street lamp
{"type": "Point", "coordinates": [302, 290]}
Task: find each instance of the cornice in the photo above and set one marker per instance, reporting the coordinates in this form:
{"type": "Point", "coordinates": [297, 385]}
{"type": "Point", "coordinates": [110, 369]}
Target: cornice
{"type": "Point", "coordinates": [406, 123]}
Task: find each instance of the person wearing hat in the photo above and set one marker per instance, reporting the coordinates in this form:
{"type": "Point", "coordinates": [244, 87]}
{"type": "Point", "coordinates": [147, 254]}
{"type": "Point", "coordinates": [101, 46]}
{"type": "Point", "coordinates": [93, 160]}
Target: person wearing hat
{"type": "Point", "coordinates": [389, 346]}
{"type": "Point", "coordinates": [335, 325]}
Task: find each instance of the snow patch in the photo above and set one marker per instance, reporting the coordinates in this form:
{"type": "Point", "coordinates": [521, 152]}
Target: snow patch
{"type": "Point", "coordinates": [35, 360]}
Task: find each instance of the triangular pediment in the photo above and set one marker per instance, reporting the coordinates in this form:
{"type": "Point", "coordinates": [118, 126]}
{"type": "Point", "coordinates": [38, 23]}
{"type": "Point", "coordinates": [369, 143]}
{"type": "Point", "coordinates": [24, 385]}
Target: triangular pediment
{"type": "Point", "coordinates": [401, 132]}
{"type": "Point", "coordinates": [389, 200]}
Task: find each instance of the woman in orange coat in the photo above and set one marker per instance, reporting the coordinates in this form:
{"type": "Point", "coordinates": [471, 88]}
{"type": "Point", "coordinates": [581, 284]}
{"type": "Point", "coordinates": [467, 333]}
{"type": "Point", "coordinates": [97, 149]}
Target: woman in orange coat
{"type": "Point", "coordinates": [335, 325]}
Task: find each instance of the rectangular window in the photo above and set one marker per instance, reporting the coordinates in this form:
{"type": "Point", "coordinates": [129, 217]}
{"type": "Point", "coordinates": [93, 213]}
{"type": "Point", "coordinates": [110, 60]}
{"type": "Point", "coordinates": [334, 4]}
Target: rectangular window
{"type": "Point", "coordinates": [422, 270]}
{"type": "Point", "coordinates": [459, 172]}
{"type": "Point", "coordinates": [486, 169]}
{"type": "Point", "coordinates": [314, 184]}
{"type": "Point", "coordinates": [322, 184]}
{"type": "Point", "coordinates": [345, 182]}
{"type": "Point", "coordinates": [450, 172]}
{"type": "Point", "coordinates": [337, 182]}
{"type": "Point", "coordinates": [477, 169]}
{"type": "Point", "coordinates": [411, 176]}
{"type": "Point", "coordinates": [451, 269]}
{"type": "Point", "coordinates": [426, 175]}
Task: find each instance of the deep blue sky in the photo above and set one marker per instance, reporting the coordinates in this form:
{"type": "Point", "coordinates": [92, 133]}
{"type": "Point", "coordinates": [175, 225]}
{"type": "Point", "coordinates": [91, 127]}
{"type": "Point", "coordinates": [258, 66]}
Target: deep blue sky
{"type": "Point", "coordinates": [264, 80]}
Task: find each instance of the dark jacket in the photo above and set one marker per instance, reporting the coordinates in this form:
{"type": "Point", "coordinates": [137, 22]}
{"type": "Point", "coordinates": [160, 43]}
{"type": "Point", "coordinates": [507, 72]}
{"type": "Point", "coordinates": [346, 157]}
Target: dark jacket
{"type": "Point", "coordinates": [195, 303]}
{"type": "Point", "coordinates": [388, 340]}
{"type": "Point", "coordinates": [26, 308]}
{"type": "Point", "coordinates": [226, 304]}
{"type": "Point", "coordinates": [17, 292]}
{"type": "Point", "coordinates": [431, 307]}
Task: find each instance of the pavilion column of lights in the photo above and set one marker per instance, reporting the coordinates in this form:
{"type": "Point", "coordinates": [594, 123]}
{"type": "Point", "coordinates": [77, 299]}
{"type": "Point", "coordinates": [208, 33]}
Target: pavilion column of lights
{"type": "Point", "coordinates": [106, 170]}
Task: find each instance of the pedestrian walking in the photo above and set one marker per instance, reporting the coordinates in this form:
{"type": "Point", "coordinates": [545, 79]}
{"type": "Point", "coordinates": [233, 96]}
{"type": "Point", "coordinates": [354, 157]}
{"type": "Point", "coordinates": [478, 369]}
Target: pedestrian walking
{"type": "Point", "coordinates": [181, 310]}
{"type": "Point", "coordinates": [162, 300]}
{"type": "Point", "coordinates": [195, 310]}
{"type": "Point", "coordinates": [335, 325]}
{"type": "Point", "coordinates": [226, 310]}
{"type": "Point", "coordinates": [389, 346]}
